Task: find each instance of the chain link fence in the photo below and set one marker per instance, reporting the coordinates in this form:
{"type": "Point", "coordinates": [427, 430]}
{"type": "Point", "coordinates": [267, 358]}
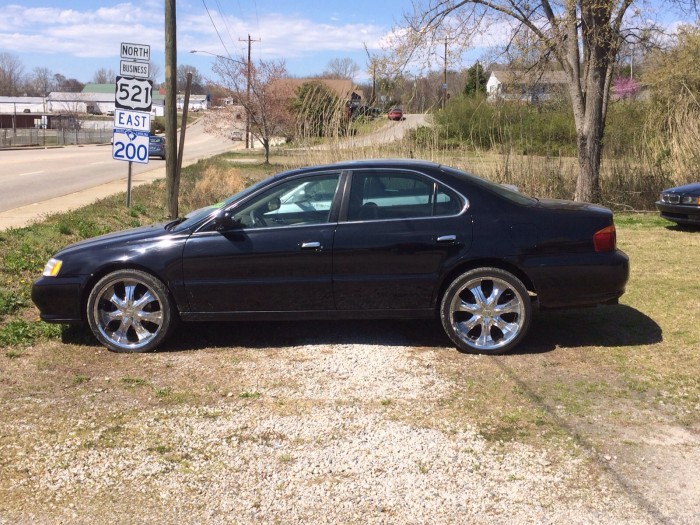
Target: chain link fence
{"type": "Point", "coordinates": [18, 138]}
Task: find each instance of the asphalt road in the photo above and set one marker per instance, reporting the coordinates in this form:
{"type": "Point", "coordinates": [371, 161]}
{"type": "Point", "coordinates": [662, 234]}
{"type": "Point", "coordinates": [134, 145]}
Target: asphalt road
{"type": "Point", "coordinates": [39, 181]}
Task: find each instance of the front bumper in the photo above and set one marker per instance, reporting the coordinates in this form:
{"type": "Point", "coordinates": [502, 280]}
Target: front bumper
{"type": "Point", "coordinates": [59, 299]}
{"type": "Point", "coordinates": [679, 213]}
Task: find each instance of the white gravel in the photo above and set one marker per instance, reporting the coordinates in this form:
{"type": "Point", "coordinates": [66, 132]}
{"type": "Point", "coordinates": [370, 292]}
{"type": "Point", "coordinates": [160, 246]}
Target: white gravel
{"type": "Point", "coordinates": [313, 441]}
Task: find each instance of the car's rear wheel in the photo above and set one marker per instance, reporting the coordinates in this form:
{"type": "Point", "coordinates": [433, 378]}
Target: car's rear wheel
{"type": "Point", "coordinates": [130, 311]}
{"type": "Point", "coordinates": [486, 311]}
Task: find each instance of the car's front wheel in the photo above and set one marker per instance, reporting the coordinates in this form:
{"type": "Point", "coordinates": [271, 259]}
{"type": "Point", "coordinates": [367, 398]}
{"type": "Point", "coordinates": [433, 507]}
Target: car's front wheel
{"type": "Point", "coordinates": [486, 311]}
{"type": "Point", "coordinates": [130, 311]}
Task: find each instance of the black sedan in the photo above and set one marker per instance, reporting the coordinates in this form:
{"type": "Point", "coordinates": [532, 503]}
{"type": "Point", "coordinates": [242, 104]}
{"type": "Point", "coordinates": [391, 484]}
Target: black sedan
{"type": "Point", "coordinates": [365, 239]}
{"type": "Point", "coordinates": [681, 205]}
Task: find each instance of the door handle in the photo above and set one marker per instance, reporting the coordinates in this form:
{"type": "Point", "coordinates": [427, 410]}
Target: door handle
{"type": "Point", "coordinates": [315, 245]}
{"type": "Point", "coordinates": [444, 239]}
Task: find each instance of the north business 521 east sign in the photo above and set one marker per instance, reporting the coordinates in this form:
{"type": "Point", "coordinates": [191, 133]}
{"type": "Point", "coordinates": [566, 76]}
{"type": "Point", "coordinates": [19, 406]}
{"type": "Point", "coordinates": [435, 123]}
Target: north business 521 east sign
{"type": "Point", "coordinates": [134, 93]}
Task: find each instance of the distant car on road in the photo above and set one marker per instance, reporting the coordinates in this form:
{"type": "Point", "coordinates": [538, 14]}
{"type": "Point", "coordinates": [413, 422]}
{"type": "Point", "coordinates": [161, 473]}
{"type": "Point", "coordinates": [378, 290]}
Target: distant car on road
{"type": "Point", "coordinates": [681, 204]}
{"type": "Point", "coordinates": [156, 146]}
{"type": "Point", "coordinates": [355, 240]}
{"type": "Point", "coordinates": [395, 114]}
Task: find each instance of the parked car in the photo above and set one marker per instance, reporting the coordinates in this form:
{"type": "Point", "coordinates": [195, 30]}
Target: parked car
{"type": "Point", "coordinates": [156, 146]}
{"type": "Point", "coordinates": [361, 239]}
{"type": "Point", "coordinates": [395, 114]}
{"type": "Point", "coordinates": [681, 204]}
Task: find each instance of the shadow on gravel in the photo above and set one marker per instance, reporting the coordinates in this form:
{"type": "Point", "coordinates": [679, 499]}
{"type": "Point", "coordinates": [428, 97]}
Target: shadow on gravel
{"type": "Point", "coordinates": [192, 336]}
{"type": "Point", "coordinates": [605, 326]}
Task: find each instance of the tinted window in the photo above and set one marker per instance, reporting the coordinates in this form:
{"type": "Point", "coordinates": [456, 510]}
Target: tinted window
{"type": "Point", "coordinates": [397, 195]}
{"type": "Point", "coordinates": [300, 201]}
{"type": "Point", "coordinates": [503, 191]}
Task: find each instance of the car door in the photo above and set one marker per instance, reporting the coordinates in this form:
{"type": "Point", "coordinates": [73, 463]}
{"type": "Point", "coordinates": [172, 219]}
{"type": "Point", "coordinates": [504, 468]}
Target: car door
{"type": "Point", "coordinates": [277, 256]}
{"type": "Point", "coordinates": [399, 229]}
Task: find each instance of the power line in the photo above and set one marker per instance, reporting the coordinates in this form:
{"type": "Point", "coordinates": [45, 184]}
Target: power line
{"type": "Point", "coordinates": [215, 28]}
{"type": "Point", "coordinates": [223, 17]}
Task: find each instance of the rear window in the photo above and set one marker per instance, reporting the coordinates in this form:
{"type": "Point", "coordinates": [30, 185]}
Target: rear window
{"type": "Point", "coordinates": [503, 191]}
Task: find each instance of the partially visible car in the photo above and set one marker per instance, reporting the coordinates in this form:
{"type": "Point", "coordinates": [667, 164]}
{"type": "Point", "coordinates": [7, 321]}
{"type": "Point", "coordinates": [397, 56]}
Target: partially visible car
{"type": "Point", "coordinates": [395, 114]}
{"type": "Point", "coordinates": [156, 146]}
{"type": "Point", "coordinates": [681, 204]}
{"type": "Point", "coordinates": [354, 240]}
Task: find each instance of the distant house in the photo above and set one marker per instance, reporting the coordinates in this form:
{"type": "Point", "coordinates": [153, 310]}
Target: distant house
{"type": "Point", "coordinates": [343, 88]}
{"type": "Point", "coordinates": [13, 105]}
{"type": "Point", "coordinates": [196, 102]}
{"type": "Point", "coordinates": [525, 86]}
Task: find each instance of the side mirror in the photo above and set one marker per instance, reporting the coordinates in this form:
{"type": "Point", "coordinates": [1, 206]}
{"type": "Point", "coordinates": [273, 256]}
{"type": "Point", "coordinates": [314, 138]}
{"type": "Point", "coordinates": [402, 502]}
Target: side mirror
{"type": "Point", "coordinates": [273, 204]}
{"type": "Point", "coordinates": [223, 220]}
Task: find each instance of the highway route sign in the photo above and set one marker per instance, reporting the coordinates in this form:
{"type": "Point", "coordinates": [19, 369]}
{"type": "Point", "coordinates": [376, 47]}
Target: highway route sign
{"type": "Point", "coordinates": [134, 93]}
{"type": "Point", "coordinates": [130, 145]}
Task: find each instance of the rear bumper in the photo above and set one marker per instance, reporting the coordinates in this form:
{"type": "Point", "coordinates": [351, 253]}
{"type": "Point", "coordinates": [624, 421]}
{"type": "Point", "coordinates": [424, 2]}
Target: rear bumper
{"type": "Point", "coordinates": [58, 299]}
{"type": "Point", "coordinates": [583, 280]}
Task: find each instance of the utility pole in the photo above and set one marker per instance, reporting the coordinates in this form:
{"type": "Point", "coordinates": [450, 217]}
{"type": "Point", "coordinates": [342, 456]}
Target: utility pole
{"type": "Point", "coordinates": [248, 141]}
{"type": "Point", "coordinates": [444, 79]}
{"type": "Point", "coordinates": [171, 176]}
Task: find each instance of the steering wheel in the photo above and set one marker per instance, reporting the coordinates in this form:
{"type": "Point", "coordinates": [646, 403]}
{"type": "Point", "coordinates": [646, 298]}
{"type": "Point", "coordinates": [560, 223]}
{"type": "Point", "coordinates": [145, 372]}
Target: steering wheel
{"type": "Point", "coordinates": [257, 219]}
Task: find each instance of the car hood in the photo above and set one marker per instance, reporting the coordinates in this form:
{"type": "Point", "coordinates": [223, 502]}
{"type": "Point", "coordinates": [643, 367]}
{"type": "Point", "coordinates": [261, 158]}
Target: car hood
{"type": "Point", "coordinates": [693, 188]}
{"type": "Point", "coordinates": [125, 237]}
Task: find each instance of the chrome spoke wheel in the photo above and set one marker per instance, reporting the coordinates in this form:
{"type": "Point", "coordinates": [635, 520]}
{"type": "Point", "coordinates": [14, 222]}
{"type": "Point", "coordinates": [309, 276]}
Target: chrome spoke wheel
{"type": "Point", "coordinates": [129, 311]}
{"type": "Point", "coordinates": [486, 311]}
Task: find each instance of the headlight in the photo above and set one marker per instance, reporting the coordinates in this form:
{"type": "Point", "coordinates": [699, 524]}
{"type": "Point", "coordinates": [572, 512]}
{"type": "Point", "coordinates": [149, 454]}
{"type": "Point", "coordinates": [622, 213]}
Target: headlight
{"type": "Point", "coordinates": [690, 199]}
{"type": "Point", "coordinates": [52, 267]}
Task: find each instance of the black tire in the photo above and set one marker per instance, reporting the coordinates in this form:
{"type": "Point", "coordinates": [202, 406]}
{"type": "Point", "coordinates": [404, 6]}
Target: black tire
{"type": "Point", "coordinates": [130, 311]}
{"type": "Point", "coordinates": [486, 311]}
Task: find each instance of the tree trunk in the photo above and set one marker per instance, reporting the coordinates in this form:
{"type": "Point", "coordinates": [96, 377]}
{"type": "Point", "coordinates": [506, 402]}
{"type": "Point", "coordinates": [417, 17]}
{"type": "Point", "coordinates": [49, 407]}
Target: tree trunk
{"type": "Point", "coordinates": [266, 145]}
{"type": "Point", "coordinates": [590, 125]}
{"type": "Point", "coordinates": [588, 181]}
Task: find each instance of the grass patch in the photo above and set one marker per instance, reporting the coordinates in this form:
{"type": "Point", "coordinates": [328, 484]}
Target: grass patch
{"type": "Point", "coordinates": [133, 381]}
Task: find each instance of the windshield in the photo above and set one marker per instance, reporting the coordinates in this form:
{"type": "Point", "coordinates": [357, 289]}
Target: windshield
{"type": "Point", "coordinates": [199, 215]}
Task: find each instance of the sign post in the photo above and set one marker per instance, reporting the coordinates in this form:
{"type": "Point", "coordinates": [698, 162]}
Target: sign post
{"type": "Point", "coordinates": [133, 99]}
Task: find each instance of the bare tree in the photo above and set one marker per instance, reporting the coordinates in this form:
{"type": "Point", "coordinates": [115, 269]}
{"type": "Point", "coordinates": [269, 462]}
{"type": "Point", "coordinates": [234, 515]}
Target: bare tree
{"type": "Point", "coordinates": [104, 76]}
{"type": "Point", "coordinates": [345, 68]}
{"type": "Point", "coordinates": [69, 85]}
{"type": "Point", "coordinates": [260, 89]}
{"type": "Point", "coordinates": [197, 79]}
{"type": "Point", "coordinates": [41, 82]}
{"type": "Point", "coordinates": [154, 72]}
{"type": "Point", "coordinates": [581, 36]}
{"type": "Point", "coordinates": [11, 74]}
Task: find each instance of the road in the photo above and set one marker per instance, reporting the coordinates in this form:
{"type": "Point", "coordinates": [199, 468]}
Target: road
{"type": "Point", "coordinates": [39, 181]}
{"type": "Point", "coordinates": [36, 182]}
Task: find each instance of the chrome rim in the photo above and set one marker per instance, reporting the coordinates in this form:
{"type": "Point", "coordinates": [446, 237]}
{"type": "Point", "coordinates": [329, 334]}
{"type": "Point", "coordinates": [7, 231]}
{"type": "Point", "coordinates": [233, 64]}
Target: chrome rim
{"type": "Point", "coordinates": [487, 313]}
{"type": "Point", "coordinates": [128, 314]}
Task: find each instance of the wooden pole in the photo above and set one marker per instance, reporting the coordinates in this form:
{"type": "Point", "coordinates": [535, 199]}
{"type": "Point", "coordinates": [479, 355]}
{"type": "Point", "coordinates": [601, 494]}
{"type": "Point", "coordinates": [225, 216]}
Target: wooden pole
{"type": "Point", "coordinates": [171, 182]}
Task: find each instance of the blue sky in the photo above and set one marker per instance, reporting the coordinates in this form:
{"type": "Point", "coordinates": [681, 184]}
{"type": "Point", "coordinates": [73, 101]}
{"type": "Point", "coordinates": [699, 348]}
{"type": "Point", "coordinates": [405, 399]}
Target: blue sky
{"type": "Point", "coordinates": [77, 37]}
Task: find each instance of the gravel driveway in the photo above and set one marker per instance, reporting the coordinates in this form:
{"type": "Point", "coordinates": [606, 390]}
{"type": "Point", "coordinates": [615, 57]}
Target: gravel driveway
{"type": "Point", "coordinates": [333, 430]}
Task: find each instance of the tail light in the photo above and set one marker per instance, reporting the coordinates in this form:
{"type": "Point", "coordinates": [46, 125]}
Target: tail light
{"type": "Point", "coordinates": [605, 240]}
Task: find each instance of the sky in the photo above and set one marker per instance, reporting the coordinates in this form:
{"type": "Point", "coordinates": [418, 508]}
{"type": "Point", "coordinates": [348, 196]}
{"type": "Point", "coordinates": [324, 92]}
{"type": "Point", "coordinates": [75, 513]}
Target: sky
{"type": "Point", "coordinates": [76, 38]}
